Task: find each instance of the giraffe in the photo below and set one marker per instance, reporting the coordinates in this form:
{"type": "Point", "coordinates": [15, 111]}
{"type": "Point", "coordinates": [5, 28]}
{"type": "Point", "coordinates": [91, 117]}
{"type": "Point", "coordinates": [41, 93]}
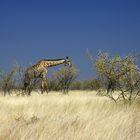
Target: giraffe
{"type": "Point", "coordinates": [39, 70]}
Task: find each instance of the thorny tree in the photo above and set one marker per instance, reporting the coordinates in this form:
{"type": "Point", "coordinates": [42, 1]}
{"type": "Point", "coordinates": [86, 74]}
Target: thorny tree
{"type": "Point", "coordinates": [119, 74]}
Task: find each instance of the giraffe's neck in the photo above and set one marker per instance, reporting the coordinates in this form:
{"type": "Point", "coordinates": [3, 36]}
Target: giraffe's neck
{"type": "Point", "coordinates": [51, 63]}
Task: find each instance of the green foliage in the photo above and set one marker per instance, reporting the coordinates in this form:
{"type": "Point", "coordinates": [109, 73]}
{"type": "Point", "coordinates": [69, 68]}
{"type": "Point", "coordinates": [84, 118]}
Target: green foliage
{"type": "Point", "coordinates": [121, 74]}
{"type": "Point", "coordinates": [91, 84]}
{"type": "Point", "coordinates": [86, 85]}
{"type": "Point", "coordinates": [77, 85]}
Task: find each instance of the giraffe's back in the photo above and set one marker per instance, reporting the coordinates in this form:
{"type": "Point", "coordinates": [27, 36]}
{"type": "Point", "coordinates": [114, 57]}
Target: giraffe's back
{"type": "Point", "coordinates": [34, 71]}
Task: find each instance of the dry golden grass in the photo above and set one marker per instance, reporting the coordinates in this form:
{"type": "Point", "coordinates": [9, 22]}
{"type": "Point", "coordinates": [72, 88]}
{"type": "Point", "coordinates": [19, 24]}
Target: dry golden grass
{"type": "Point", "coordinates": [77, 116]}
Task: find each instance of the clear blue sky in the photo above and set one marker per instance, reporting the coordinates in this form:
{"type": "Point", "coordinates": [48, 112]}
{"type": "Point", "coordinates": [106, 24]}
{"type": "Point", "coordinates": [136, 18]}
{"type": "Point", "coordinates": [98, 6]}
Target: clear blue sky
{"type": "Point", "coordinates": [32, 30]}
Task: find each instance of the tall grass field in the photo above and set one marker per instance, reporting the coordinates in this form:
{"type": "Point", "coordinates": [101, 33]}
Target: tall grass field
{"type": "Point", "coordinates": [80, 115]}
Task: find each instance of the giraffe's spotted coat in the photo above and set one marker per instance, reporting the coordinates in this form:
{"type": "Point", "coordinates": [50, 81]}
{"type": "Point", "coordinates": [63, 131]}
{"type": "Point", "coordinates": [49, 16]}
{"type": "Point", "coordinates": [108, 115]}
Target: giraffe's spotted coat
{"type": "Point", "coordinates": [39, 70]}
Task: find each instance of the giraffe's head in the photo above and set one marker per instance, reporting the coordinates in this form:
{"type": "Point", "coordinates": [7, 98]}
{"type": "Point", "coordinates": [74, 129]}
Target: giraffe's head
{"type": "Point", "coordinates": [68, 62]}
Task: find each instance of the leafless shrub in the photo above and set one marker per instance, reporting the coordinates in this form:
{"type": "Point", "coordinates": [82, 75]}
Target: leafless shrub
{"type": "Point", "coordinates": [63, 78]}
{"type": "Point", "coordinates": [8, 80]}
{"type": "Point", "coordinates": [12, 79]}
{"type": "Point", "coordinates": [19, 77]}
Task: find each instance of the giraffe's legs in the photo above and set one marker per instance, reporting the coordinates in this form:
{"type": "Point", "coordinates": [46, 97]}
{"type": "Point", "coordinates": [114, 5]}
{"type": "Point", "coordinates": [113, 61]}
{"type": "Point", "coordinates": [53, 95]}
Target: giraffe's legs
{"type": "Point", "coordinates": [44, 86]}
{"type": "Point", "coordinates": [27, 87]}
{"type": "Point", "coordinates": [44, 83]}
